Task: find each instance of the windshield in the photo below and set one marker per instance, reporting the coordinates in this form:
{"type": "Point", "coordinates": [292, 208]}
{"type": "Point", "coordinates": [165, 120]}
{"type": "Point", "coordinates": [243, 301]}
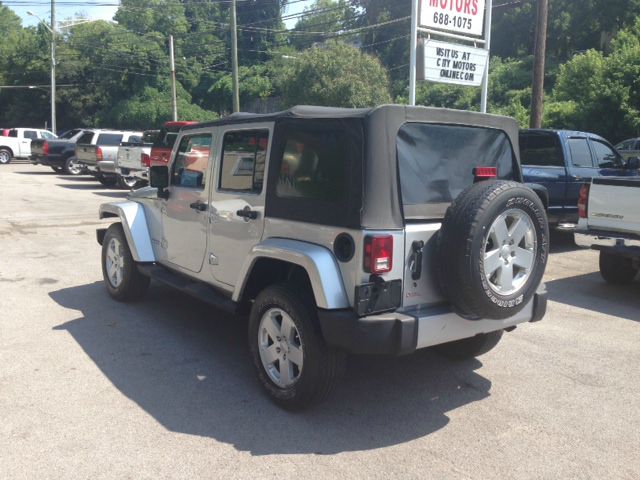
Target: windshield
{"type": "Point", "coordinates": [436, 163]}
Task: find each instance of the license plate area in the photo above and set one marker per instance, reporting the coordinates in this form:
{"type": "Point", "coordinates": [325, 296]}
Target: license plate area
{"type": "Point", "coordinates": [377, 297]}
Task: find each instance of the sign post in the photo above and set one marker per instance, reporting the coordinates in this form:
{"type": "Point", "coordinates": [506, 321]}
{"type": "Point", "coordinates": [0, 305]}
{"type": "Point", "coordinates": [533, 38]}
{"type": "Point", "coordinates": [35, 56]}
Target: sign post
{"type": "Point", "coordinates": [457, 63]}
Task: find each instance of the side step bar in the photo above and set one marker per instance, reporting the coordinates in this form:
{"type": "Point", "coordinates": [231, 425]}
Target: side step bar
{"type": "Point", "coordinates": [199, 290]}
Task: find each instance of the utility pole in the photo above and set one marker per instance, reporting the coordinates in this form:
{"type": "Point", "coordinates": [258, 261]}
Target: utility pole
{"type": "Point", "coordinates": [174, 100]}
{"type": "Point", "coordinates": [537, 92]}
{"type": "Point", "coordinates": [484, 94]}
{"type": "Point", "coordinates": [53, 66]}
{"type": "Point", "coordinates": [234, 58]}
{"type": "Point", "coordinates": [413, 52]}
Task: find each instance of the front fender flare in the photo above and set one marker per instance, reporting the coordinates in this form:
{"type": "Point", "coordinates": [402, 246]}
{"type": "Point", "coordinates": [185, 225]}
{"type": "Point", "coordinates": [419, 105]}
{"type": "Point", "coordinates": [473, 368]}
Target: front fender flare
{"type": "Point", "coordinates": [318, 262]}
{"type": "Point", "coordinates": [134, 224]}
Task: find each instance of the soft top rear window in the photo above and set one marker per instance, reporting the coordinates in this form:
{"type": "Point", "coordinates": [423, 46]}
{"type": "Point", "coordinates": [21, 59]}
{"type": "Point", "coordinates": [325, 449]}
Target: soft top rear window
{"type": "Point", "coordinates": [436, 163]}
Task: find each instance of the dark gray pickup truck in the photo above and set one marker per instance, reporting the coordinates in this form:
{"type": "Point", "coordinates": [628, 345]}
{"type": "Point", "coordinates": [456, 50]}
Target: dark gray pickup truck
{"type": "Point", "coordinates": [59, 154]}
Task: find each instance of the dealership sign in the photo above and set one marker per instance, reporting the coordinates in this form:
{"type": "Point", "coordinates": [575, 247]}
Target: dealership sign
{"type": "Point", "coordinates": [452, 63]}
{"type": "Point", "coordinates": [458, 16]}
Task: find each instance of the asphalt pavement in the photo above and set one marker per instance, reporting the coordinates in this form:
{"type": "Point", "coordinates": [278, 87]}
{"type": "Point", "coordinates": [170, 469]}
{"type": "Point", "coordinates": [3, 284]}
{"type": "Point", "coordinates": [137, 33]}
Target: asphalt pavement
{"type": "Point", "coordinates": [164, 388]}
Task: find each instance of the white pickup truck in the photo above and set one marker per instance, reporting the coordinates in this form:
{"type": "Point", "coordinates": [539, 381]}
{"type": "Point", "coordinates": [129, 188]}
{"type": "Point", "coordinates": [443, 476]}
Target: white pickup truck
{"type": "Point", "coordinates": [610, 222]}
{"type": "Point", "coordinates": [134, 159]}
{"type": "Point", "coordinates": [18, 143]}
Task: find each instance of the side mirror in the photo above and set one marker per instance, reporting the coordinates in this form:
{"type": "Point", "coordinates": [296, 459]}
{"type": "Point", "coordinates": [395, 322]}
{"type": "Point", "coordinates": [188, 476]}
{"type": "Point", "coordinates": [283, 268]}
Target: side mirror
{"type": "Point", "coordinates": [159, 178]}
{"type": "Point", "coordinates": [633, 163]}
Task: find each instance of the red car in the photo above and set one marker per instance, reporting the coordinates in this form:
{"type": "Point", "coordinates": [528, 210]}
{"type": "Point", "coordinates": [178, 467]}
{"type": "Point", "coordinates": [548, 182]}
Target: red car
{"type": "Point", "coordinates": [161, 149]}
{"type": "Point", "coordinates": [4, 132]}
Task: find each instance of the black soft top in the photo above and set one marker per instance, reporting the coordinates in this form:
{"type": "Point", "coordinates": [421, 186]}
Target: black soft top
{"type": "Point", "coordinates": [380, 204]}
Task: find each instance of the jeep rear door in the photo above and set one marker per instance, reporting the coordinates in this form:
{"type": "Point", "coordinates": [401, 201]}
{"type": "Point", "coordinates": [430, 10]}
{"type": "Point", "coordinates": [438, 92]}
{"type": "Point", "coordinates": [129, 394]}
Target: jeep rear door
{"type": "Point", "coordinates": [237, 201]}
{"type": "Point", "coordinates": [184, 213]}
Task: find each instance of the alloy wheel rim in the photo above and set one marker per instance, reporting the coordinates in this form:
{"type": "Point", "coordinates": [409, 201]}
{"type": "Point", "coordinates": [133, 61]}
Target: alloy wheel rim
{"type": "Point", "coordinates": [114, 262]}
{"type": "Point", "coordinates": [509, 252]}
{"type": "Point", "coordinates": [280, 347]}
{"type": "Point", "coordinates": [74, 167]}
{"type": "Point", "coordinates": [4, 157]}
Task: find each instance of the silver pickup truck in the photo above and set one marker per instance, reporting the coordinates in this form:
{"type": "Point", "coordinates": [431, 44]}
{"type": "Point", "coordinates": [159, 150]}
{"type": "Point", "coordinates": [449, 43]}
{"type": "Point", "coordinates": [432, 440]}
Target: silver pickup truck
{"type": "Point", "coordinates": [134, 159]}
{"type": "Point", "coordinates": [96, 151]}
{"type": "Point", "coordinates": [610, 222]}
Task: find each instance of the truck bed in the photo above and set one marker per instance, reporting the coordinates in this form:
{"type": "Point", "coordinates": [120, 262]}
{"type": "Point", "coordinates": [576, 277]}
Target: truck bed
{"type": "Point", "coordinates": [613, 205]}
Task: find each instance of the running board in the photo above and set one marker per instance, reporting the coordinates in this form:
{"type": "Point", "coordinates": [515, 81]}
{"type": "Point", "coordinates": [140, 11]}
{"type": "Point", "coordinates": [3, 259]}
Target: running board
{"type": "Point", "coordinates": [196, 289]}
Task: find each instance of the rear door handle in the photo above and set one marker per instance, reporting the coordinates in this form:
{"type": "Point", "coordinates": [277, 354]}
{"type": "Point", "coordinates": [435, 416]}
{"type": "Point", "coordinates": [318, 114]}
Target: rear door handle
{"type": "Point", "coordinates": [199, 206]}
{"type": "Point", "coordinates": [247, 213]}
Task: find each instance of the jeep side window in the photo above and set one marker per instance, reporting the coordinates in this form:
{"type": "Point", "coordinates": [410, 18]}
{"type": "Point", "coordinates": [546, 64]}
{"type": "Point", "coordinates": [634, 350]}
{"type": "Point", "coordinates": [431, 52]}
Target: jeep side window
{"type": "Point", "coordinates": [244, 154]}
{"type": "Point", "coordinates": [189, 167]}
{"type": "Point", "coordinates": [580, 153]}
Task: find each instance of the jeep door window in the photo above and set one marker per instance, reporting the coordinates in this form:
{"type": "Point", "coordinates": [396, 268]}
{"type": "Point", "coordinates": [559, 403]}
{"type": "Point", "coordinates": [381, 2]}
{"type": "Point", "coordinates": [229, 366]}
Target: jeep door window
{"type": "Point", "coordinates": [109, 139]}
{"type": "Point", "coordinates": [189, 168]}
{"type": "Point", "coordinates": [580, 153]}
{"type": "Point", "coordinates": [606, 157]}
{"type": "Point", "coordinates": [540, 150]}
{"type": "Point", "coordinates": [244, 154]}
{"type": "Point", "coordinates": [436, 163]}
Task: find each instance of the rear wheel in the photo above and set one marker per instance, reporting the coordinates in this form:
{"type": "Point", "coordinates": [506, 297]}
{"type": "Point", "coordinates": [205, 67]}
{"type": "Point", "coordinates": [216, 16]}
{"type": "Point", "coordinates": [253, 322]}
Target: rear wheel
{"type": "Point", "coordinates": [128, 183]}
{"type": "Point", "coordinates": [470, 347]}
{"type": "Point", "coordinates": [5, 156]}
{"type": "Point", "coordinates": [617, 269]}
{"type": "Point", "coordinates": [121, 275]}
{"type": "Point", "coordinates": [294, 365]}
{"type": "Point", "coordinates": [72, 167]}
{"type": "Point", "coordinates": [107, 181]}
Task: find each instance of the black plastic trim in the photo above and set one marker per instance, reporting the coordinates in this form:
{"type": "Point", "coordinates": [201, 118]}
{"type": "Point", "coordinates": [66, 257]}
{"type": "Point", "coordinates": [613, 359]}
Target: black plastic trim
{"type": "Point", "coordinates": [617, 182]}
{"type": "Point", "coordinates": [539, 303]}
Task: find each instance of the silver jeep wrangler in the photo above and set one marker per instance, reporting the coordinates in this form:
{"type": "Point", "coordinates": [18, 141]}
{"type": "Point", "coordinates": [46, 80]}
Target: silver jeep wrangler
{"type": "Point", "coordinates": [366, 231]}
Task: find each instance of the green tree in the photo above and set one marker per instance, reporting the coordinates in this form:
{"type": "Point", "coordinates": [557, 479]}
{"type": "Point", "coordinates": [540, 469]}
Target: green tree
{"type": "Point", "coordinates": [327, 16]}
{"type": "Point", "coordinates": [335, 75]}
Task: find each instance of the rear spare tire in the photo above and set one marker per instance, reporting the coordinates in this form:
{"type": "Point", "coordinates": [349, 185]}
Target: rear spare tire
{"type": "Point", "coordinates": [493, 249]}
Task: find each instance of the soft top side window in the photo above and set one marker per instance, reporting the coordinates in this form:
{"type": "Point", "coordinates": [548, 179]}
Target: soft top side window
{"type": "Point", "coordinates": [244, 155]}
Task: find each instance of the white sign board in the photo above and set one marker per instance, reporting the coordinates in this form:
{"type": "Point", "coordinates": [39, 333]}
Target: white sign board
{"type": "Point", "coordinates": [458, 16]}
{"type": "Point", "coordinates": [453, 63]}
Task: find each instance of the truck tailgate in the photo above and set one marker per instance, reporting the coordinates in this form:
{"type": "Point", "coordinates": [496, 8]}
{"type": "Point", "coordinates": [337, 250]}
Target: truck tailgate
{"type": "Point", "coordinates": [36, 147]}
{"type": "Point", "coordinates": [613, 204]}
{"type": "Point", "coordinates": [86, 154]}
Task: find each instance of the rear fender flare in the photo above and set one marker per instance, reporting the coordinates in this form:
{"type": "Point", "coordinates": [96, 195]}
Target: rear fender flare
{"type": "Point", "coordinates": [134, 224]}
{"type": "Point", "coordinates": [317, 261]}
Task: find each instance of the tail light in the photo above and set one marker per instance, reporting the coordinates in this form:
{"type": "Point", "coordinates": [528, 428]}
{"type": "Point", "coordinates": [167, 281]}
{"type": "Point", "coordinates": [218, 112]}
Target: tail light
{"type": "Point", "coordinates": [99, 156]}
{"type": "Point", "coordinates": [145, 159]}
{"type": "Point", "coordinates": [583, 201]}
{"type": "Point", "coordinates": [378, 253]}
{"type": "Point", "coordinates": [484, 173]}
{"type": "Point", "coordinates": [45, 148]}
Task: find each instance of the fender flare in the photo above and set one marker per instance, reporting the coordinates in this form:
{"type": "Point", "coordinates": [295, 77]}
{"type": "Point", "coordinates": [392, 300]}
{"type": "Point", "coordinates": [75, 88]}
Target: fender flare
{"type": "Point", "coordinates": [318, 262]}
{"type": "Point", "coordinates": [134, 224]}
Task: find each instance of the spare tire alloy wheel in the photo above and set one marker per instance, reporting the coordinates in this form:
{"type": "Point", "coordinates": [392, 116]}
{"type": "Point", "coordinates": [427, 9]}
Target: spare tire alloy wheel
{"type": "Point", "coordinates": [5, 156]}
{"type": "Point", "coordinates": [494, 244]}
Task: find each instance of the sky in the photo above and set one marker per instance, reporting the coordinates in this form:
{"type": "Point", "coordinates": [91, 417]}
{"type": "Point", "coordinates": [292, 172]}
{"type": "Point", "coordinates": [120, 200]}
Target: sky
{"type": "Point", "coordinates": [68, 9]}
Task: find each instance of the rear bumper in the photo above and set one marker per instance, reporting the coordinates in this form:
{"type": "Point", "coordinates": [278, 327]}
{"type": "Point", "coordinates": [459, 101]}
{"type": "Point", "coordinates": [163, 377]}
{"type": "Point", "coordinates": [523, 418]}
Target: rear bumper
{"type": "Point", "coordinates": [133, 173]}
{"type": "Point", "coordinates": [104, 168]}
{"type": "Point", "coordinates": [399, 333]}
{"type": "Point", "coordinates": [617, 242]}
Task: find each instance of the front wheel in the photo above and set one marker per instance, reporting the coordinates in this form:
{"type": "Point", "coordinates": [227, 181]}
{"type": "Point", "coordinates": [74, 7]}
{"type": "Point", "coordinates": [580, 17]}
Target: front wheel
{"type": "Point", "coordinates": [72, 167]}
{"type": "Point", "coordinates": [617, 269]}
{"type": "Point", "coordinates": [121, 275]}
{"type": "Point", "coordinates": [5, 156]}
{"type": "Point", "coordinates": [470, 347]}
{"type": "Point", "coordinates": [294, 365]}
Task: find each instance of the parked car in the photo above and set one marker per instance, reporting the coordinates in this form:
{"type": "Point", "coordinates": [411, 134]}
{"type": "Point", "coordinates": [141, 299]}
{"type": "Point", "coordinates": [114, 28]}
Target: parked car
{"type": "Point", "coordinates": [96, 151]}
{"type": "Point", "coordinates": [59, 154]}
{"type": "Point", "coordinates": [17, 144]}
{"type": "Point", "coordinates": [562, 160]}
{"type": "Point", "coordinates": [381, 231]}
{"type": "Point", "coordinates": [134, 159]}
{"type": "Point", "coordinates": [629, 148]}
{"type": "Point", "coordinates": [4, 132]}
{"type": "Point", "coordinates": [161, 150]}
{"type": "Point", "coordinates": [610, 222]}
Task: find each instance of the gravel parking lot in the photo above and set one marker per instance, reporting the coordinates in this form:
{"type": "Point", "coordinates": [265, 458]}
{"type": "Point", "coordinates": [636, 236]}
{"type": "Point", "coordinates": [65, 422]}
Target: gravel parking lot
{"type": "Point", "coordinates": [90, 388]}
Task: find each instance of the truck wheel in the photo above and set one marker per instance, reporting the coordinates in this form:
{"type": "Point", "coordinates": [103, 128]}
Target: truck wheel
{"type": "Point", "coordinates": [617, 269]}
{"type": "Point", "coordinates": [72, 167]}
{"type": "Point", "coordinates": [470, 347]}
{"type": "Point", "coordinates": [293, 363]}
{"type": "Point", "coordinates": [127, 183]}
{"type": "Point", "coordinates": [107, 181]}
{"type": "Point", "coordinates": [121, 276]}
{"type": "Point", "coordinates": [492, 249]}
{"type": "Point", "coordinates": [5, 156]}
